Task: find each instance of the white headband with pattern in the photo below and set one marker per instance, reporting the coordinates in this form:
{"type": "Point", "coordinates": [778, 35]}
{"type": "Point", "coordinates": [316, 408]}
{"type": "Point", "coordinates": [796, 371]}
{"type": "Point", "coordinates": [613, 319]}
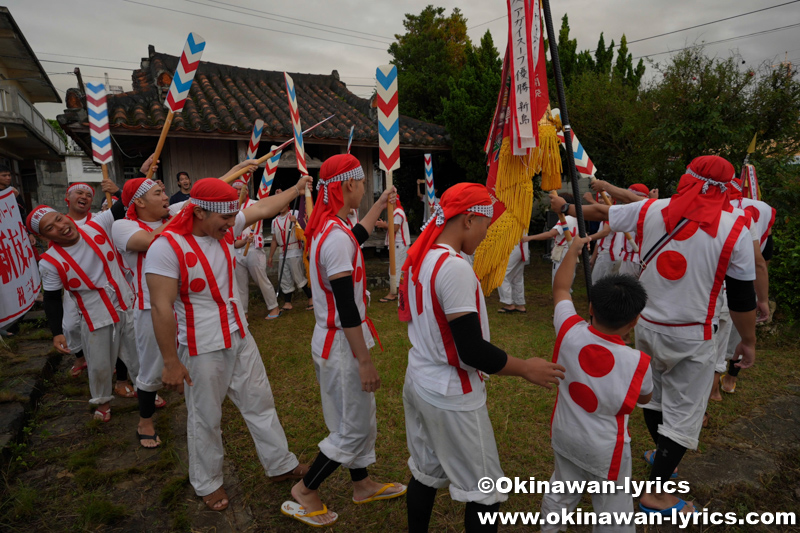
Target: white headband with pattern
{"type": "Point", "coordinates": [37, 217]}
{"type": "Point", "coordinates": [723, 186]}
{"type": "Point", "coordinates": [438, 214]}
{"type": "Point", "coordinates": [145, 186]}
{"type": "Point", "coordinates": [355, 174]}
{"type": "Point", "coordinates": [80, 187]}
{"type": "Point", "coordinates": [226, 207]}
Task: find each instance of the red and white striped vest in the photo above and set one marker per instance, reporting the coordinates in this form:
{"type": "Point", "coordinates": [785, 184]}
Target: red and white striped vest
{"type": "Point", "coordinates": [603, 381]}
{"type": "Point", "coordinates": [433, 360]}
{"type": "Point", "coordinates": [92, 295]}
{"type": "Point", "coordinates": [325, 312]}
{"type": "Point", "coordinates": [202, 305]}
{"type": "Point", "coordinates": [684, 279]}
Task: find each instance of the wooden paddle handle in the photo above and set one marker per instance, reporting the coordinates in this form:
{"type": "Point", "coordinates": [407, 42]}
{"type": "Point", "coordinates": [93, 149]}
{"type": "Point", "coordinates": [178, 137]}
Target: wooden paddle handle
{"type": "Point", "coordinates": [563, 219]}
{"type": "Point", "coordinates": [160, 145]}
{"type": "Point", "coordinates": [309, 202]}
{"type": "Point", "coordinates": [390, 228]}
{"type": "Point", "coordinates": [109, 200]}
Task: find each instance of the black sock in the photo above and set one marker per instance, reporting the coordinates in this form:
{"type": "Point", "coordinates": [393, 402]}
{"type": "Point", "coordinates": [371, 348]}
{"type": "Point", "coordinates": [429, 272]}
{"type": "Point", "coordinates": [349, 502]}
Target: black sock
{"type": "Point", "coordinates": [733, 370]}
{"type": "Point", "coordinates": [288, 297]}
{"type": "Point", "coordinates": [79, 354]}
{"type": "Point", "coordinates": [122, 370]}
{"type": "Point", "coordinates": [668, 455]}
{"type": "Point", "coordinates": [653, 418]}
{"type": "Point", "coordinates": [319, 471]}
{"type": "Point", "coordinates": [147, 403]}
{"type": "Point", "coordinates": [358, 474]}
{"type": "Point", "coordinates": [307, 291]}
{"type": "Point", "coordinates": [419, 506]}
{"type": "Point", "coordinates": [472, 522]}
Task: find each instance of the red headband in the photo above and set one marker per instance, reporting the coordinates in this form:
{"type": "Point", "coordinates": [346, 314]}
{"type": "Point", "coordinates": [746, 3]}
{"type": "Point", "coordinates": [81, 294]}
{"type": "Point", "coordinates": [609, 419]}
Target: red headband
{"type": "Point", "coordinates": [459, 199]}
{"type": "Point", "coordinates": [640, 189]}
{"type": "Point", "coordinates": [133, 189]}
{"type": "Point", "coordinates": [35, 216]}
{"type": "Point", "coordinates": [78, 186]}
{"type": "Point", "coordinates": [334, 171]}
{"type": "Point", "coordinates": [212, 194]}
{"type": "Point", "coordinates": [702, 194]}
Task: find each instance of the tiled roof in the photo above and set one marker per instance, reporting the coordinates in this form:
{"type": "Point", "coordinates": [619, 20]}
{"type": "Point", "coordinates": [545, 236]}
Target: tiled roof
{"type": "Point", "coordinates": [227, 100]}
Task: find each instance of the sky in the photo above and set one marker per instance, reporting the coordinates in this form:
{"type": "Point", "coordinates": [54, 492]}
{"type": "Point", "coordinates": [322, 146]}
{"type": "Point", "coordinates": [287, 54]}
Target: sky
{"type": "Point", "coordinates": [352, 36]}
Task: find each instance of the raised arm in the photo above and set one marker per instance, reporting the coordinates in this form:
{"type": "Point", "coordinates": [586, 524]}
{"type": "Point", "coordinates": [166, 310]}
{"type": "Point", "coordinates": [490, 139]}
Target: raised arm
{"type": "Point", "coordinates": [369, 220]}
{"type": "Point", "coordinates": [551, 234]}
{"type": "Point", "coordinates": [598, 212]}
{"type": "Point", "coordinates": [617, 193]}
{"type": "Point", "coordinates": [271, 205]}
{"type": "Point", "coordinates": [562, 283]}
{"type": "Point", "coordinates": [140, 241]}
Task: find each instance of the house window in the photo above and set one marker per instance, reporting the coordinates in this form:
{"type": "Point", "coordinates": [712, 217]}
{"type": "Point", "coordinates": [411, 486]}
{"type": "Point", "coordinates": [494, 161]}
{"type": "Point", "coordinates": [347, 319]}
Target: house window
{"type": "Point", "coordinates": [129, 173]}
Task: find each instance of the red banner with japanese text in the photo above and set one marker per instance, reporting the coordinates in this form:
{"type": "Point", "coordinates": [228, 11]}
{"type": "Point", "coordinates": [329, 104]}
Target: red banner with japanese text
{"type": "Point", "coordinates": [19, 273]}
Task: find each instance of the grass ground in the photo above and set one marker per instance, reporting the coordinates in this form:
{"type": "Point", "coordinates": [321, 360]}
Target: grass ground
{"type": "Point", "coordinates": [72, 474]}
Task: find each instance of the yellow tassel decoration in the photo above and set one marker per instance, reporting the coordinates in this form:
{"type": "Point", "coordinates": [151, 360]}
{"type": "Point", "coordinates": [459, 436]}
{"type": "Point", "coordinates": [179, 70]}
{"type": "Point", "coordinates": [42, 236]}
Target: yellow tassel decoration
{"type": "Point", "coordinates": [301, 238]}
{"type": "Point", "coordinates": [548, 156]}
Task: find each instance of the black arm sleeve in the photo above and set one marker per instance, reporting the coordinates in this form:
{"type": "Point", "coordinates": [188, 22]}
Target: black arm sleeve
{"type": "Point", "coordinates": [360, 234]}
{"type": "Point", "coordinates": [741, 295]}
{"type": "Point", "coordinates": [472, 349]}
{"type": "Point", "coordinates": [54, 311]}
{"type": "Point", "coordinates": [767, 253]}
{"type": "Point", "coordinates": [345, 300]}
{"type": "Point", "coordinates": [118, 210]}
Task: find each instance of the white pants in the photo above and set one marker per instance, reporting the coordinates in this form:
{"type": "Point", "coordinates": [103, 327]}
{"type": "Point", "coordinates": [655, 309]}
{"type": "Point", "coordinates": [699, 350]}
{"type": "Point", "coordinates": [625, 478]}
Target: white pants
{"type": "Point", "coordinates": [349, 412]}
{"type": "Point", "coordinates": [512, 291]}
{"type": "Point", "coordinates": [255, 264]}
{"type": "Point", "coordinates": [151, 364]}
{"type": "Point", "coordinates": [400, 254]}
{"type": "Point", "coordinates": [294, 274]}
{"type": "Point", "coordinates": [683, 370]}
{"type": "Point", "coordinates": [451, 447]}
{"type": "Point", "coordinates": [71, 324]}
{"type": "Point", "coordinates": [604, 266]}
{"type": "Point", "coordinates": [630, 268]}
{"type": "Point", "coordinates": [619, 502]}
{"type": "Point", "coordinates": [102, 347]}
{"type": "Point", "coordinates": [239, 373]}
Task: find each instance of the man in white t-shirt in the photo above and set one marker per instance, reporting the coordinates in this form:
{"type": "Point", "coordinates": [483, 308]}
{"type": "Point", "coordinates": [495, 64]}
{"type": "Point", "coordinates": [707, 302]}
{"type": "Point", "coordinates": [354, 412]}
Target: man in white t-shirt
{"type": "Point", "coordinates": [340, 345]}
{"type": "Point", "coordinates": [557, 233]}
{"type": "Point", "coordinates": [190, 274]}
{"type": "Point", "coordinates": [690, 244]}
{"type": "Point", "coordinates": [148, 211]}
{"type": "Point", "coordinates": [83, 261]}
{"type": "Point", "coordinates": [254, 263]}
{"type": "Point", "coordinates": [291, 271]}
{"type": "Point", "coordinates": [402, 240]}
{"type": "Point", "coordinates": [448, 430]}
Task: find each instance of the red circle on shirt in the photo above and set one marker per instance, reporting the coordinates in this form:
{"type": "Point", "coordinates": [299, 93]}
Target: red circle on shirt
{"type": "Point", "coordinates": [191, 260]}
{"type": "Point", "coordinates": [66, 267]}
{"type": "Point", "coordinates": [671, 265]}
{"type": "Point", "coordinates": [359, 274]}
{"type": "Point", "coordinates": [110, 256]}
{"type": "Point", "coordinates": [74, 283]}
{"type": "Point", "coordinates": [753, 212]}
{"type": "Point", "coordinates": [197, 285]}
{"type": "Point", "coordinates": [583, 396]}
{"type": "Point", "coordinates": [596, 360]}
{"type": "Point", "coordinates": [99, 239]}
{"type": "Point", "coordinates": [687, 231]}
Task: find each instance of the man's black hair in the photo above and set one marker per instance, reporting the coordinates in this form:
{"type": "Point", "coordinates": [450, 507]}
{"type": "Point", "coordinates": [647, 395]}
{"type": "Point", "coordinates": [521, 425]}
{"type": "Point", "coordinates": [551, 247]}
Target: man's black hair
{"type": "Point", "coordinates": [568, 197]}
{"type": "Point", "coordinates": [617, 300]}
{"type": "Point", "coordinates": [182, 173]}
{"type": "Point", "coordinates": [4, 169]}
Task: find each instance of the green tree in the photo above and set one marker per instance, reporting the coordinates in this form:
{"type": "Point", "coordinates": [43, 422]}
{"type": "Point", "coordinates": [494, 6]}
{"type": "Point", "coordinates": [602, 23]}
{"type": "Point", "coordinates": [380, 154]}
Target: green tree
{"type": "Point", "coordinates": [603, 56]}
{"type": "Point", "coordinates": [433, 49]}
{"type": "Point", "coordinates": [469, 108]}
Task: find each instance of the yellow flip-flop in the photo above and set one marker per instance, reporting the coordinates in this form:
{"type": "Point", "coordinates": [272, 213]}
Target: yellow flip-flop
{"type": "Point", "coordinates": [298, 512]}
{"type": "Point", "coordinates": [379, 495]}
{"type": "Point", "coordinates": [723, 389]}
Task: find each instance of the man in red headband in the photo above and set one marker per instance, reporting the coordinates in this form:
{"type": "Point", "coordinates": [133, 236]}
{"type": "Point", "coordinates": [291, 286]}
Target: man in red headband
{"type": "Point", "coordinates": [254, 264]}
{"type": "Point", "coordinates": [402, 240]}
{"type": "Point", "coordinates": [761, 216]}
{"type": "Point", "coordinates": [82, 261]}
{"type": "Point", "coordinates": [690, 244]}
{"type": "Point", "coordinates": [340, 345]}
{"type": "Point", "coordinates": [190, 275]}
{"type": "Point", "coordinates": [449, 434]}
{"type": "Point", "coordinates": [148, 210]}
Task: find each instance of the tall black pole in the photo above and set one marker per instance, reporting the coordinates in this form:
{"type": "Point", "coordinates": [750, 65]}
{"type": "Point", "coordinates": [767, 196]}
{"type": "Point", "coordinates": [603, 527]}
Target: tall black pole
{"type": "Point", "coordinates": [573, 172]}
